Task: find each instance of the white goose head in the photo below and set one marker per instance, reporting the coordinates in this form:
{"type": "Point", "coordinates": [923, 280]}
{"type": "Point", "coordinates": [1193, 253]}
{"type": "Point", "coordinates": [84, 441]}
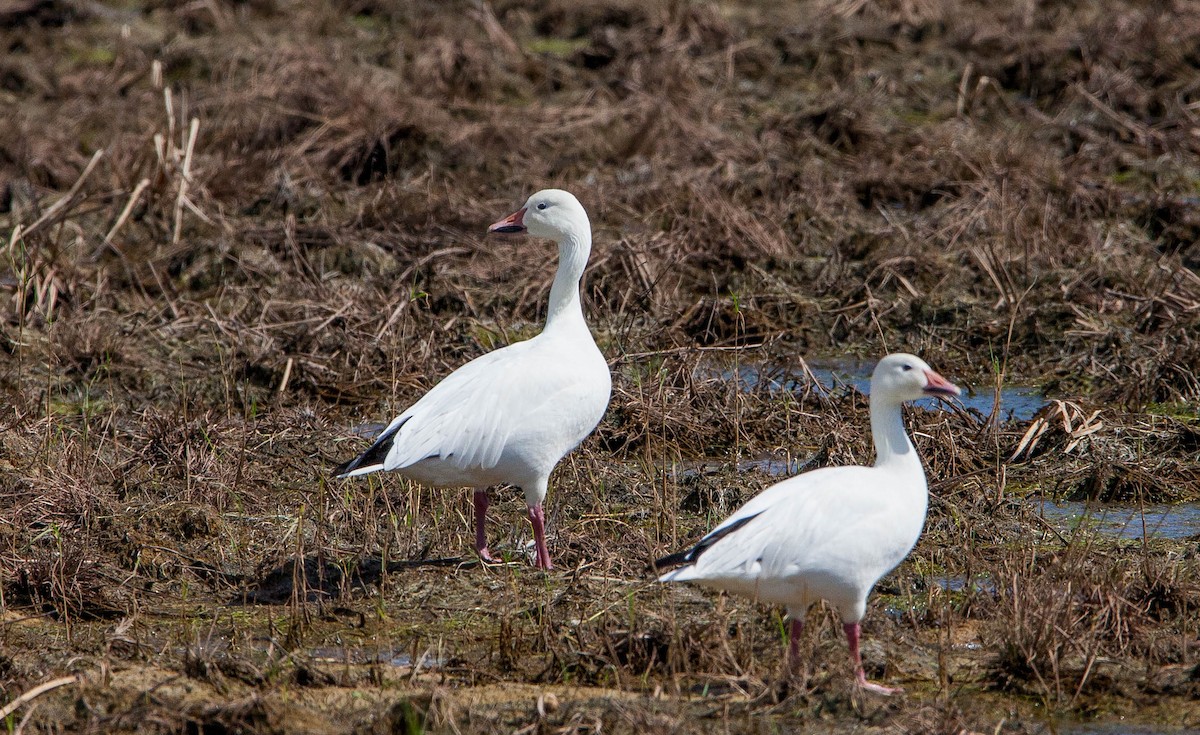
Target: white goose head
{"type": "Point", "coordinates": [902, 377]}
{"type": "Point", "coordinates": [898, 378]}
{"type": "Point", "coordinates": [550, 213]}
{"type": "Point", "coordinates": [557, 215]}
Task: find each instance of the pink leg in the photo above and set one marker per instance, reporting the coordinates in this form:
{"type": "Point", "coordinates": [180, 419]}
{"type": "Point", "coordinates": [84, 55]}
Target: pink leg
{"type": "Point", "coordinates": [795, 630]}
{"type": "Point", "coordinates": [537, 518]}
{"type": "Point", "coordinates": [860, 677]}
{"type": "Point", "coordinates": [481, 506]}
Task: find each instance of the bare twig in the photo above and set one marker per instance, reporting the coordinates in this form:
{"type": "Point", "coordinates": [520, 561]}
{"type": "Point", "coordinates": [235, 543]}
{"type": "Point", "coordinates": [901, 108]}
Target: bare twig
{"type": "Point", "coordinates": [185, 178]}
{"type": "Point", "coordinates": [69, 199]}
{"type": "Point", "coordinates": [34, 693]}
{"type": "Point", "coordinates": [129, 205]}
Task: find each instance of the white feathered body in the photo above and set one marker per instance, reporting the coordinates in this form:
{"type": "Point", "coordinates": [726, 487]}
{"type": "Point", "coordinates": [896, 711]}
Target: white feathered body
{"type": "Point", "coordinates": [827, 534]}
{"type": "Point", "coordinates": [505, 417]}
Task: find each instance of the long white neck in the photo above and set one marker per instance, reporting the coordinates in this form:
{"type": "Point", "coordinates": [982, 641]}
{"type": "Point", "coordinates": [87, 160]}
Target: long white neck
{"type": "Point", "coordinates": [565, 306]}
{"type": "Point", "coordinates": [892, 445]}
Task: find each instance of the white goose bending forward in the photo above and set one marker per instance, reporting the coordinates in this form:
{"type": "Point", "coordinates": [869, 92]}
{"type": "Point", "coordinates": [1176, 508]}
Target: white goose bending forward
{"type": "Point", "coordinates": [831, 533]}
{"type": "Point", "coordinates": [509, 416]}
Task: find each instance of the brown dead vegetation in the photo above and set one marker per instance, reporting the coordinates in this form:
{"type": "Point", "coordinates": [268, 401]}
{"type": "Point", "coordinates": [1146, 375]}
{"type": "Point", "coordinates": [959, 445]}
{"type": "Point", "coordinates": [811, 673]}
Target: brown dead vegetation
{"type": "Point", "coordinates": [232, 232]}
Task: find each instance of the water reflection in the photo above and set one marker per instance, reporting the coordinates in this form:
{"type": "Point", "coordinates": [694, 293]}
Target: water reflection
{"type": "Point", "coordinates": [960, 583]}
{"type": "Point", "coordinates": [399, 659]}
{"type": "Point", "coordinates": [1178, 521]}
{"type": "Point", "coordinates": [1117, 728]}
{"type": "Point", "coordinates": [1017, 403]}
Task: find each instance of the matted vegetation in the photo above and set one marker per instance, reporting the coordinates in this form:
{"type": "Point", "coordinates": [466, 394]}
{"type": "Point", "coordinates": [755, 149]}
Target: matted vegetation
{"type": "Point", "coordinates": [236, 232]}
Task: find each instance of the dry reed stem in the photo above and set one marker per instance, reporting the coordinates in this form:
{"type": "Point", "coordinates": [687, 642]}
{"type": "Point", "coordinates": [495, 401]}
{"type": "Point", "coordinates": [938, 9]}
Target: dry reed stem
{"type": "Point", "coordinates": [37, 691]}
{"type": "Point", "coordinates": [68, 199]}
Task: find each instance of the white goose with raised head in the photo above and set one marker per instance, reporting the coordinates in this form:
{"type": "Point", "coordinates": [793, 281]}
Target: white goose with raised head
{"type": "Point", "coordinates": [509, 416]}
{"type": "Point", "coordinates": [831, 533]}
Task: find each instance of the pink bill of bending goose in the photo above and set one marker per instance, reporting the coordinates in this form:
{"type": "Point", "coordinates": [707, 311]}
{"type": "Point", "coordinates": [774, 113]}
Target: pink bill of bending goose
{"type": "Point", "coordinates": [508, 417]}
{"type": "Point", "coordinates": [831, 533]}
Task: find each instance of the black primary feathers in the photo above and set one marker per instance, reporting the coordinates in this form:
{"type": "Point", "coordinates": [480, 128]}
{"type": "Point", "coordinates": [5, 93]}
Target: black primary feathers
{"type": "Point", "coordinates": [373, 456]}
{"type": "Point", "coordinates": [692, 554]}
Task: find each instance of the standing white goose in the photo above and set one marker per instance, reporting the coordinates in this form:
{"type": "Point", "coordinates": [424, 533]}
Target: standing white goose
{"type": "Point", "coordinates": [831, 533]}
{"type": "Point", "coordinates": [509, 416]}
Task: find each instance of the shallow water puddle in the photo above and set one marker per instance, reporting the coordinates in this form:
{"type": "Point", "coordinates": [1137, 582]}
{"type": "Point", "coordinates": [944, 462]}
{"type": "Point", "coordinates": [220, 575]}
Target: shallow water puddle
{"type": "Point", "coordinates": [1178, 521]}
{"type": "Point", "coordinates": [1117, 728]}
{"type": "Point", "coordinates": [368, 430]}
{"type": "Point", "coordinates": [899, 607]}
{"type": "Point", "coordinates": [357, 656]}
{"type": "Point", "coordinates": [960, 583]}
{"type": "Point", "coordinates": [1017, 403]}
{"type": "Point", "coordinates": [773, 466]}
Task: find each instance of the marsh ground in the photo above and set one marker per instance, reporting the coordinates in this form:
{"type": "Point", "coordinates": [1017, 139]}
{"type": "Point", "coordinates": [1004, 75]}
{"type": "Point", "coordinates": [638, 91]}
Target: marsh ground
{"type": "Point", "coordinates": [236, 232]}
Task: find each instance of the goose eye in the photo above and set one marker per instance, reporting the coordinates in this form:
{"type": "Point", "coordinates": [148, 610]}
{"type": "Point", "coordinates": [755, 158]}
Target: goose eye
{"type": "Point", "coordinates": [906, 367]}
{"type": "Point", "coordinates": [541, 205]}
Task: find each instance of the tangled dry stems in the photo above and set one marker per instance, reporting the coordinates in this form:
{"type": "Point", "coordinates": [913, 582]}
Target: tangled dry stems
{"type": "Point", "coordinates": [282, 239]}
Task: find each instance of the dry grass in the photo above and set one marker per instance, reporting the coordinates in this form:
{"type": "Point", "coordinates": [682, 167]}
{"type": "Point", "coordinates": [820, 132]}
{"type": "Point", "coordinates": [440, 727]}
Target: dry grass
{"type": "Point", "coordinates": [232, 232]}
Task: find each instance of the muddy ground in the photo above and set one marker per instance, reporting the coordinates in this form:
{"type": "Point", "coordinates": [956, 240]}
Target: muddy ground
{"type": "Point", "coordinates": [236, 233]}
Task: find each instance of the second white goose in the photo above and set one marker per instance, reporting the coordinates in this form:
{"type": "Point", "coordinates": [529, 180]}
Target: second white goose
{"type": "Point", "coordinates": [831, 533]}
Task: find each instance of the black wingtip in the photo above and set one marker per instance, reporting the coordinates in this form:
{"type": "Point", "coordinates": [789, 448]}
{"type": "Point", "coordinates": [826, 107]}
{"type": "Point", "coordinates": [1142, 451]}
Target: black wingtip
{"type": "Point", "coordinates": [346, 468]}
{"type": "Point", "coordinates": [691, 555]}
{"type": "Point", "coordinates": [679, 558]}
{"type": "Point", "coordinates": [375, 455]}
